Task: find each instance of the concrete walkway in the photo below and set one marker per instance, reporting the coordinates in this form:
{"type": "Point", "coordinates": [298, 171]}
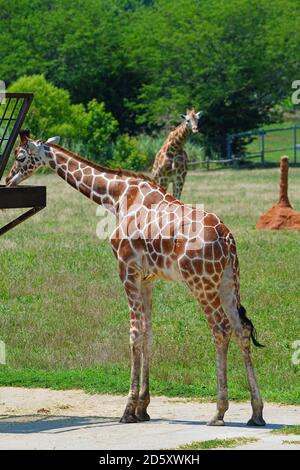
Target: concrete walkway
{"type": "Point", "coordinates": [48, 419]}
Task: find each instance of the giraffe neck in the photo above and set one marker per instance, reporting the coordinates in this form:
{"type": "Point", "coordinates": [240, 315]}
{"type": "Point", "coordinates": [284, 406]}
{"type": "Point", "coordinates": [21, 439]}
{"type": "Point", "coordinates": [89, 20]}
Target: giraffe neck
{"type": "Point", "coordinates": [99, 186]}
{"type": "Point", "coordinates": [176, 139]}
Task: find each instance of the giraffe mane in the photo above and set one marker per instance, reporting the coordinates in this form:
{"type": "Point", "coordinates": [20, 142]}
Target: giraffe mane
{"type": "Point", "coordinates": [118, 172]}
{"type": "Point", "coordinates": [175, 128]}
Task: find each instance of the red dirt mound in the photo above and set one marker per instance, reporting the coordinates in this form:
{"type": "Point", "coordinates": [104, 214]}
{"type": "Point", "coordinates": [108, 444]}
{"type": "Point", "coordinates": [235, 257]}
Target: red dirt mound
{"type": "Point", "coordinates": [282, 215]}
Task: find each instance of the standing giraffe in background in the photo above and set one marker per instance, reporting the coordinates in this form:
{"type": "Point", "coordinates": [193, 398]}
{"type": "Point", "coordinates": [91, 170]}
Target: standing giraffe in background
{"type": "Point", "coordinates": [170, 164]}
{"type": "Point", "coordinates": [157, 236]}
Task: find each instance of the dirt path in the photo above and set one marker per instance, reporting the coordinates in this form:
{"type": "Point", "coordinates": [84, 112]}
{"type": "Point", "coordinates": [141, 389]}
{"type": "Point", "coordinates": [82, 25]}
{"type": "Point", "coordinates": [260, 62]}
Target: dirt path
{"type": "Point", "coordinates": [48, 419]}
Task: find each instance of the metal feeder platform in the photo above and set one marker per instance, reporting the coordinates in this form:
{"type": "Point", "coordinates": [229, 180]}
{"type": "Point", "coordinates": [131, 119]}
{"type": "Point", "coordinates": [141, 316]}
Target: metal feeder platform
{"type": "Point", "coordinates": [12, 115]}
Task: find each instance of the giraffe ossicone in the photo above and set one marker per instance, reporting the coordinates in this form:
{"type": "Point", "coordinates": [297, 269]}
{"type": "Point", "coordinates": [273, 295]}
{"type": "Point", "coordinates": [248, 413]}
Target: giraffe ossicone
{"type": "Point", "coordinates": [169, 240]}
{"type": "Point", "coordinates": [170, 163]}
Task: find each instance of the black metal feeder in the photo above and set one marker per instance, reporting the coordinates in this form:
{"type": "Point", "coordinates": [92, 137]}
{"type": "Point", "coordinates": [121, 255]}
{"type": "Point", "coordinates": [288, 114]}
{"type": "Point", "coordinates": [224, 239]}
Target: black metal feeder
{"type": "Point", "coordinates": [12, 116]}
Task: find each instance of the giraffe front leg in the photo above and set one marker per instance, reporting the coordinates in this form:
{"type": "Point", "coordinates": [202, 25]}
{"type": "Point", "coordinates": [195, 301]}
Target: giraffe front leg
{"type": "Point", "coordinates": [163, 181]}
{"type": "Point", "coordinates": [144, 397]}
{"type": "Point", "coordinates": [132, 287]}
{"type": "Point", "coordinates": [178, 184]}
{"type": "Point", "coordinates": [129, 415]}
{"type": "Point", "coordinates": [221, 341]}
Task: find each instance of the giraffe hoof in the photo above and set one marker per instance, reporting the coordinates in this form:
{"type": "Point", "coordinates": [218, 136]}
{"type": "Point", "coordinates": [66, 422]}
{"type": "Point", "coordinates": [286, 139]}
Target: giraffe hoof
{"type": "Point", "coordinates": [256, 422]}
{"type": "Point", "coordinates": [216, 422]}
{"type": "Point", "coordinates": [129, 419]}
{"type": "Point", "coordinates": [142, 416]}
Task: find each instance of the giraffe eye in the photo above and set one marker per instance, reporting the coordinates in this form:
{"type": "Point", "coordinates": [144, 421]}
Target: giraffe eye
{"type": "Point", "coordinates": [21, 158]}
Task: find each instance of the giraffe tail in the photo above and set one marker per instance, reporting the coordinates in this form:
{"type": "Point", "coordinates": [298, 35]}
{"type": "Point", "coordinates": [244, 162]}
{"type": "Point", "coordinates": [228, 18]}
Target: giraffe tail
{"type": "Point", "coordinates": [246, 321]}
{"type": "Point", "coordinates": [236, 275]}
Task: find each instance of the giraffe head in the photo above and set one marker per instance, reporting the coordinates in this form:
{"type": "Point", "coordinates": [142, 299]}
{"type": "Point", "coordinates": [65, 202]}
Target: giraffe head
{"type": "Point", "coordinates": [29, 155]}
{"type": "Point", "coordinates": [191, 119]}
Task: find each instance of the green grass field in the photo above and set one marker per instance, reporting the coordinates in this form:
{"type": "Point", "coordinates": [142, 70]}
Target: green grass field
{"type": "Point", "coordinates": [63, 312]}
{"type": "Point", "coordinates": [217, 444]}
{"type": "Point", "coordinates": [288, 430]}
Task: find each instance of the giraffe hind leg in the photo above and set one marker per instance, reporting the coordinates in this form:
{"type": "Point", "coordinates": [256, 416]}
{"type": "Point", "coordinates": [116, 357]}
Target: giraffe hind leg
{"type": "Point", "coordinates": [221, 331]}
{"type": "Point", "coordinates": [244, 331]}
{"type": "Point", "coordinates": [220, 327]}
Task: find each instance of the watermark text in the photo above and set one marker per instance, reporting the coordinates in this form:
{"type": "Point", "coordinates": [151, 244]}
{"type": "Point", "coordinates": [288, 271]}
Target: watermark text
{"type": "Point", "coordinates": [2, 92]}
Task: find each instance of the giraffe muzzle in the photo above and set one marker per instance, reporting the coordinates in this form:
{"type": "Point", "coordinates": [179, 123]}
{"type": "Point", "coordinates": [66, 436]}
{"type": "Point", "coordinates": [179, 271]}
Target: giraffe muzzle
{"type": "Point", "coordinates": [13, 180]}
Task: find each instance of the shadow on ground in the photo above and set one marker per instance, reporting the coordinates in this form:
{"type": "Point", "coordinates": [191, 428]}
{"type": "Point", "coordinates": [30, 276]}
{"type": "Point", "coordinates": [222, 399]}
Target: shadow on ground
{"type": "Point", "coordinates": [29, 424]}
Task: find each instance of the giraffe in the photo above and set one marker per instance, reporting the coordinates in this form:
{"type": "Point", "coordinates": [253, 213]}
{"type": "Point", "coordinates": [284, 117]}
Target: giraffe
{"type": "Point", "coordinates": [157, 236]}
{"type": "Point", "coordinates": [170, 164]}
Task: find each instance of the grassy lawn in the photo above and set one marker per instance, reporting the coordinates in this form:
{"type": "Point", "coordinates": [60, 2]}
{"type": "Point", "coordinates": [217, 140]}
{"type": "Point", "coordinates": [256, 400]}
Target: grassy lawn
{"type": "Point", "coordinates": [64, 317]}
{"type": "Point", "coordinates": [217, 444]}
{"type": "Point", "coordinates": [288, 430]}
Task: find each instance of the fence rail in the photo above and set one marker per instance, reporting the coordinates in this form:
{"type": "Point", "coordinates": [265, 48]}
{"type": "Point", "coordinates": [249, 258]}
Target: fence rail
{"type": "Point", "coordinates": [261, 135]}
{"type": "Point", "coordinates": [262, 139]}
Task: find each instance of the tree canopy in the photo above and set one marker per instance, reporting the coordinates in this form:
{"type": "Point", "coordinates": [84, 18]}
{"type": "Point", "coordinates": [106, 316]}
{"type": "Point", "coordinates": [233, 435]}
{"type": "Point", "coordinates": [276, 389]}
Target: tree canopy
{"type": "Point", "coordinates": [147, 60]}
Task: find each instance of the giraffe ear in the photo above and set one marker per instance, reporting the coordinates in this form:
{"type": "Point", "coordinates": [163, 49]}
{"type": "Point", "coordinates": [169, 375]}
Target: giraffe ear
{"type": "Point", "coordinates": [183, 116]}
{"type": "Point", "coordinates": [53, 140]}
{"type": "Point", "coordinates": [199, 114]}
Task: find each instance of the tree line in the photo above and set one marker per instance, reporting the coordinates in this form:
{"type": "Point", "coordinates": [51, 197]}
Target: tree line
{"type": "Point", "coordinates": [147, 60]}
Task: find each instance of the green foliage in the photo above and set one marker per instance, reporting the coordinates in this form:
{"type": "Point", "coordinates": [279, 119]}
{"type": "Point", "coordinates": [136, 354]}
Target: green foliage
{"type": "Point", "coordinates": [51, 112]}
{"type": "Point", "coordinates": [75, 43]}
{"type": "Point", "coordinates": [126, 154]}
{"type": "Point", "coordinates": [233, 59]}
{"type": "Point", "coordinates": [147, 61]}
{"type": "Point", "coordinates": [149, 146]}
{"type": "Point", "coordinates": [90, 130]}
{"type": "Point", "coordinates": [100, 127]}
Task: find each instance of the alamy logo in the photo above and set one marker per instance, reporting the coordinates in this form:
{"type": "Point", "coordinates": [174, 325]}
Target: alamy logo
{"type": "Point", "coordinates": [107, 223]}
{"type": "Point", "coordinates": [135, 222]}
{"type": "Point", "coordinates": [2, 353]}
{"type": "Point", "coordinates": [296, 94]}
{"type": "Point", "coordinates": [296, 355]}
{"type": "Point", "coordinates": [2, 92]}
